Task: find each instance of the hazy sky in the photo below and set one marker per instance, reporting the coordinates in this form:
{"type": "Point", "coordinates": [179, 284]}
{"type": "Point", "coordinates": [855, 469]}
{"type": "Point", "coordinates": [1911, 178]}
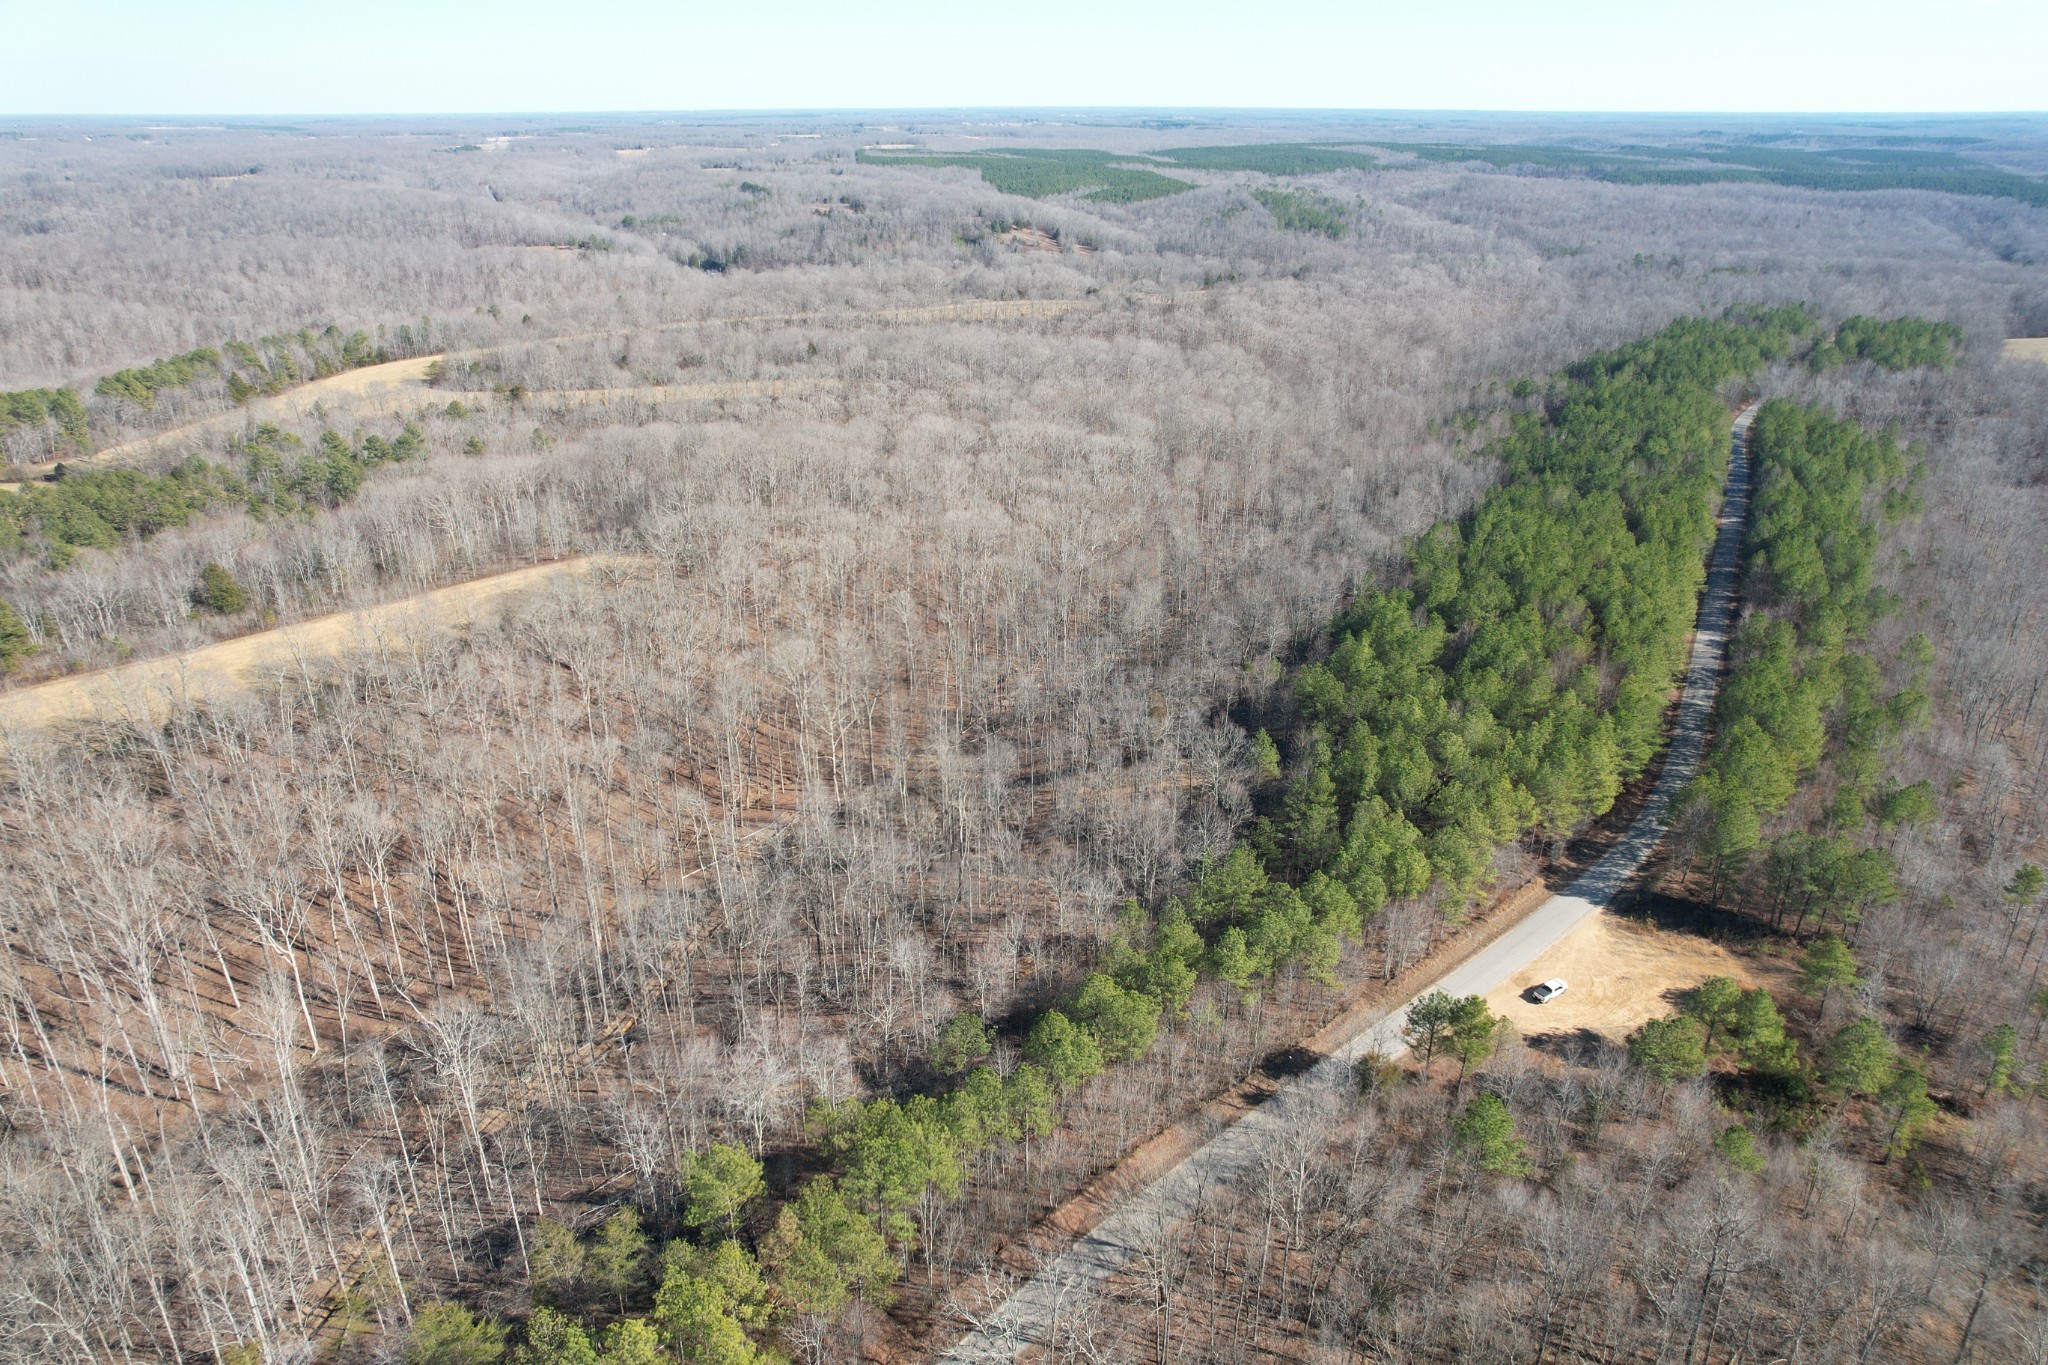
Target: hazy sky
{"type": "Point", "coordinates": [191, 57]}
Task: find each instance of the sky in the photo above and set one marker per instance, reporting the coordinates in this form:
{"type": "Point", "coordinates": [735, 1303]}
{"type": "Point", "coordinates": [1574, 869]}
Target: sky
{"type": "Point", "coordinates": [245, 58]}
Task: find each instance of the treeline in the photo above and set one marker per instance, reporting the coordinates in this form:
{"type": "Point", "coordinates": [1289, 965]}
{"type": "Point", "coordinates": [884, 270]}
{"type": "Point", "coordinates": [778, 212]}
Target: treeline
{"type": "Point", "coordinates": [1437, 730]}
{"type": "Point", "coordinates": [273, 364]}
{"type": "Point", "coordinates": [276, 363]}
{"type": "Point", "coordinates": [1802, 696]}
{"type": "Point", "coordinates": [1037, 172]}
{"type": "Point", "coordinates": [1271, 158]}
{"type": "Point", "coordinates": [56, 409]}
{"type": "Point", "coordinates": [1800, 687]}
{"type": "Point", "coordinates": [1520, 679]}
{"type": "Point", "coordinates": [1771, 1079]}
{"type": "Point", "coordinates": [845, 1235]}
{"type": "Point", "coordinates": [1880, 168]}
{"type": "Point", "coordinates": [141, 385]}
{"type": "Point", "coordinates": [1832, 169]}
{"type": "Point", "coordinates": [1900, 344]}
{"type": "Point", "coordinates": [269, 474]}
{"type": "Point", "coordinates": [702, 1296]}
{"type": "Point", "coordinates": [268, 365]}
{"type": "Point", "coordinates": [1725, 1115]}
{"type": "Point", "coordinates": [1299, 211]}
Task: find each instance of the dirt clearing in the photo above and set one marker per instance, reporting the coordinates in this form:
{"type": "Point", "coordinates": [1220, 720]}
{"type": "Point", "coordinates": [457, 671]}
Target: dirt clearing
{"type": "Point", "coordinates": [1030, 239]}
{"type": "Point", "coordinates": [147, 689]}
{"type": "Point", "coordinates": [2027, 348]}
{"type": "Point", "coordinates": [1622, 972]}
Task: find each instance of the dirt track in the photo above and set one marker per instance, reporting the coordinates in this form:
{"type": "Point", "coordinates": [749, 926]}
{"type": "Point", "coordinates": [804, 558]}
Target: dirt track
{"type": "Point", "coordinates": [671, 393]}
{"type": "Point", "coordinates": [147, 689]}
{"type": "Point", "coordinates": [968, 310]}
{"type": "Point", "coordinates": [398, 380]}
{"type": "Point", "coordinates": [2027, 348]}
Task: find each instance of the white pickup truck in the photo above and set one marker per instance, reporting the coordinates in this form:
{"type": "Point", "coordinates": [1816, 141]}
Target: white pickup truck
{"type": "Point", "coordinates": [1549, 990]}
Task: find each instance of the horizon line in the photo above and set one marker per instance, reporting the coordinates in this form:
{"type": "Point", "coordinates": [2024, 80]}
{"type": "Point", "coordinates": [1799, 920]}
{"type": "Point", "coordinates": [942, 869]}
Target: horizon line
{"type": "Point", "coordinates": [824, 111]}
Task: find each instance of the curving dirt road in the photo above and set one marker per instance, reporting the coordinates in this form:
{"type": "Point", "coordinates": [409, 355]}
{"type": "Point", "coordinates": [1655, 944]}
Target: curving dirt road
{"type": "Point", "coordinates": [393, 380]}
{"type": "Point", "coordinates": [148, 689]}
{"type": "Point", "coordinates": [707, 392]}
{"type": "Point", "coordinates": [1031, 1315]}
{"type": "Point", "coordinates": [400, 379]}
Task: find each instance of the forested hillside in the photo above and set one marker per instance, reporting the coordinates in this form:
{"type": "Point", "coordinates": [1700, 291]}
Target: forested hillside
{"type": "Point", "coordinates": [1010, 651]}
{"type": "Point", "coordinates": [1830, 1162]}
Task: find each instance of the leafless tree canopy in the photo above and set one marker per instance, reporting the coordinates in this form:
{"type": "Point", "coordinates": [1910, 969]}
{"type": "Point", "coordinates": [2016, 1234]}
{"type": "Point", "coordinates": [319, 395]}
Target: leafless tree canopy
{"type": "Point", "coordinates": [929, 574]}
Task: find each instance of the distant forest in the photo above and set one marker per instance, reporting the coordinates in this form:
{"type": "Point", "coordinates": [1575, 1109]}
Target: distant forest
{"type": "Point", "coordinates": [1039, 172]}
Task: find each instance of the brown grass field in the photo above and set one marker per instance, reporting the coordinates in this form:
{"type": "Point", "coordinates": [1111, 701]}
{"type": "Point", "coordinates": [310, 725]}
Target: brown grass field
{"type": "Point", "coordinates": [1622, 973]}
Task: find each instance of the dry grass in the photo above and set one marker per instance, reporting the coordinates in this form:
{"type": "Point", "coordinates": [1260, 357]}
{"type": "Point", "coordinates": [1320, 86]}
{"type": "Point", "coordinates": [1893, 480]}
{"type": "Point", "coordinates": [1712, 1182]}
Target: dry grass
{"type": "Point", "coordinates": [2027, 348]}
{"type": "Point", "coordinates": [1622, 973]}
